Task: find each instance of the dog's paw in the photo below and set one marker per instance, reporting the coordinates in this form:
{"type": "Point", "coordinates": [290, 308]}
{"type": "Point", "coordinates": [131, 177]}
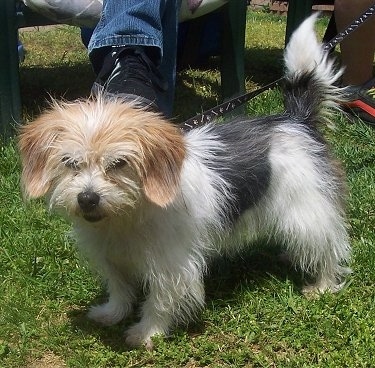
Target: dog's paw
{"type": "Point", "coordinates": [108, 314]}
{"type": "Point", "coordinates": [138, 335]}
{"type": "Point", "coordinates": [315, 290]}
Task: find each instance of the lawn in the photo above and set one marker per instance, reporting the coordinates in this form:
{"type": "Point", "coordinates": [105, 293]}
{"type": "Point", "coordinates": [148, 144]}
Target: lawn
{"type": "Point", "coordinates": [255, 314]}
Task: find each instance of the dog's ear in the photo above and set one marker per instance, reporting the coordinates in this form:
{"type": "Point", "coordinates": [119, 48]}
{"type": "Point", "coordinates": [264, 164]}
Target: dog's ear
{"type": "Point", "coordinates": [35, 143]}
{"type": "Point", "coordinates": [163, 156]}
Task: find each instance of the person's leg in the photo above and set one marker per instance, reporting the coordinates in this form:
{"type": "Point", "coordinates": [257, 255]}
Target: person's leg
{"type": "Point", "coordinates": [357, 50]}
{"type": "Point", "coordinates": [133, 23]}
{"type": "Point", "coordinates": [357, 55]}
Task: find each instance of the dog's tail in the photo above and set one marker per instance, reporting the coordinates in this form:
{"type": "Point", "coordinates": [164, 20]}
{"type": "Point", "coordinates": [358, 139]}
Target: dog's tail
{"type": "Point", "coordinates": [310, 76]}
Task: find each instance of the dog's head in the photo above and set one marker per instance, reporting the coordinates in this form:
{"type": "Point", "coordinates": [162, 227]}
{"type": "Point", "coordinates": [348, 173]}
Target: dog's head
{"type": "Point", "coordinates": [98, 158]}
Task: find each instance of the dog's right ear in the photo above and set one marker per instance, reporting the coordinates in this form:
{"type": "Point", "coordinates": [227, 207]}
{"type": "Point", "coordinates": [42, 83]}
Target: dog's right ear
{"type": "Point", "coordinates": [35, 142]}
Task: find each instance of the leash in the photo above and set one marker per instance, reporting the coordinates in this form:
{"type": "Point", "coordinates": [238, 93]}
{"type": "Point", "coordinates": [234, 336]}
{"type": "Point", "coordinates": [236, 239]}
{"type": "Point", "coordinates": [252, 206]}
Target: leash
{"type": "Point", "coordinates": [228, 106]}
{"type": "Point", "coordinates": [225, 107]}
{"type": "Point", "coordinates": [350, 28]}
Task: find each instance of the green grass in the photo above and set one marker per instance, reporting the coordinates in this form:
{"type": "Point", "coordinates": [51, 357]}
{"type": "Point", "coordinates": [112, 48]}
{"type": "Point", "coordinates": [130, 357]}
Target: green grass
{"type": "Point", "coordinates": [255, 314]}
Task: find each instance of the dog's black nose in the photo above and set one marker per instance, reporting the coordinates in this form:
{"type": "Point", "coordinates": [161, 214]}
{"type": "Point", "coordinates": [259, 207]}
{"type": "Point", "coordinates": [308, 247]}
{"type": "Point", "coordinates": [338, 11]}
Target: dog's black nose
{"type": "Point", "coordinates": [88, 200]}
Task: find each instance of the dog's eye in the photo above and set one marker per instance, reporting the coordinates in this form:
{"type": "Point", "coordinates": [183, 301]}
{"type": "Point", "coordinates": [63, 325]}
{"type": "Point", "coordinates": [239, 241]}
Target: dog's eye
{"type": "Point", "coordinates": [117, 164]}
{"type": "Point", "coordinates": [70, 162]}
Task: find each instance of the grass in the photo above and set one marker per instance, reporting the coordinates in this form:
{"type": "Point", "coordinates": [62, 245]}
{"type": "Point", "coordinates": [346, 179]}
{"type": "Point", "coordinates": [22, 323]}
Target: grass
{"type": "Point", "coordinates": [255, 314]}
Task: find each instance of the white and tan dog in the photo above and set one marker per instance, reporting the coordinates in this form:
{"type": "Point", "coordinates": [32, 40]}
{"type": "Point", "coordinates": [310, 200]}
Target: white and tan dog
{"type": "Point", "coordinates": [151, 205]}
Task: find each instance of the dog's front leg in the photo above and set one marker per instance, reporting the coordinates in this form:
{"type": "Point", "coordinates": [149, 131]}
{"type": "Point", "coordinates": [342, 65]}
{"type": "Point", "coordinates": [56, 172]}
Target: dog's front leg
{"type": "Point", "coordinates": [120, 301]}
{"type": "Point", "coordinates": [172, 298]}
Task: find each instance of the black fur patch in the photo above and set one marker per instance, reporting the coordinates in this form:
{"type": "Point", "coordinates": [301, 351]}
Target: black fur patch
{"type": "Point", "coordinates": [245, 162]}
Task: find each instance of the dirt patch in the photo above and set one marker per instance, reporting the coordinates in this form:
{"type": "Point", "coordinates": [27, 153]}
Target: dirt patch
{"type": "Point", "coordinates": [48, 360]}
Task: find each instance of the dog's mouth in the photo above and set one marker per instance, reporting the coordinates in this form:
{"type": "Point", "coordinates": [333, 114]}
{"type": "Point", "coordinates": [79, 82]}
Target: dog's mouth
{"type": "Point", "coordinates": [93, 217]}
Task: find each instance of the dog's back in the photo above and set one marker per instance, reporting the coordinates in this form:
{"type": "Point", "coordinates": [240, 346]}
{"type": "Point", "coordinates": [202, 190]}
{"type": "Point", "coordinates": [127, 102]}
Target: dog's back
{"type": "Point", "coordinates": [275, 173]}
{"type": "Point", "coordinates": [243, 155]}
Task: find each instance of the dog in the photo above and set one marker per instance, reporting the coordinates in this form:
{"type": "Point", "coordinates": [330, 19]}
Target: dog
{"type": "Point", "coordinates": [152, 205]}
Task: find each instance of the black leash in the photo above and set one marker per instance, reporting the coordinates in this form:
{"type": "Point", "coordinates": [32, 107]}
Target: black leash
{"type": "Point", "coordinates": [225, 107]}
{"type": "Point", "coordinates": [228, 106]}
{"type": "Point", "coordinates": [350, 28]}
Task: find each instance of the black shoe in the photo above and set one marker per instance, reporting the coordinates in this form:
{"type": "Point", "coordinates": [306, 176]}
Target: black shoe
{"type": "Point", "coordinates": [129, 74]}
{"type": "Point", "coordinates": [362, 101]}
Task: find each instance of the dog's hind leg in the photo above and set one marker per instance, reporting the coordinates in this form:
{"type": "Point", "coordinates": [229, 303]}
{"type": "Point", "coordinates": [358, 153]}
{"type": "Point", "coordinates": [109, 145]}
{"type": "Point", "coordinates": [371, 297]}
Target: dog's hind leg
{"type": "Point", "coordinates": [316, 243]}
{"type": "Point", "coordinates": [305, 213]}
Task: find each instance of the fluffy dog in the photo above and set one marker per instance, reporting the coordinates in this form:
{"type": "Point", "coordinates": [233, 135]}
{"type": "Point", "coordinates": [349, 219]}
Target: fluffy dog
{"type": "Point", "coordinates": [150, 205]}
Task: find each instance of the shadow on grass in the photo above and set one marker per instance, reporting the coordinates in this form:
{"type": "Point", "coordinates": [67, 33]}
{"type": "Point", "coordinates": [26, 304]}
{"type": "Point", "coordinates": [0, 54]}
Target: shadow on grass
{"type": "Point", "coordinates": [71, 81]}
{"type": "Point", "coordinates": [112, 336]}
{"type": "Point", "coordinates": [248, 270]}
{"type": "Point", "coordinates": [226, 279]}
{"type": "Point", "coordinates": [262, 66]}
{"type": "Point", "coordinates": [62, 82]}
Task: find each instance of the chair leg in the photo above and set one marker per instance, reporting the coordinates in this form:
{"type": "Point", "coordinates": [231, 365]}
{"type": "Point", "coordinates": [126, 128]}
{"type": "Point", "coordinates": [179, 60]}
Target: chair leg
{"type": "Point", "coordinates": [331, 30]}
{"type": "Point", "coordinates": [233, 51]}
{"type": "Point", "coordinates": [298, 10]}
{"type": "Point", "coordinates": [10, 101]}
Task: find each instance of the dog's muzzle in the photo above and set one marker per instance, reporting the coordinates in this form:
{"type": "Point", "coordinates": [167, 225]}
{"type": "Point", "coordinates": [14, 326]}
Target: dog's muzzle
{"type": "Point", "coordinates": [88, 202]}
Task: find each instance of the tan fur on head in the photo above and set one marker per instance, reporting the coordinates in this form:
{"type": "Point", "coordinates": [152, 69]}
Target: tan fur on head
{"type": "Point", "coordinates": [97, 132]}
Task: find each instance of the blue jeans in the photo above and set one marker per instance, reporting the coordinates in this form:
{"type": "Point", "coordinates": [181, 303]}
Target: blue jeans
{"type": "Point", "coordinates": [150, 23]}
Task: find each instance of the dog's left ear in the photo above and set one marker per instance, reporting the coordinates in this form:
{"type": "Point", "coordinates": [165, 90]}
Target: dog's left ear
{"type": "Point", "coordinates": [164, 153]}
